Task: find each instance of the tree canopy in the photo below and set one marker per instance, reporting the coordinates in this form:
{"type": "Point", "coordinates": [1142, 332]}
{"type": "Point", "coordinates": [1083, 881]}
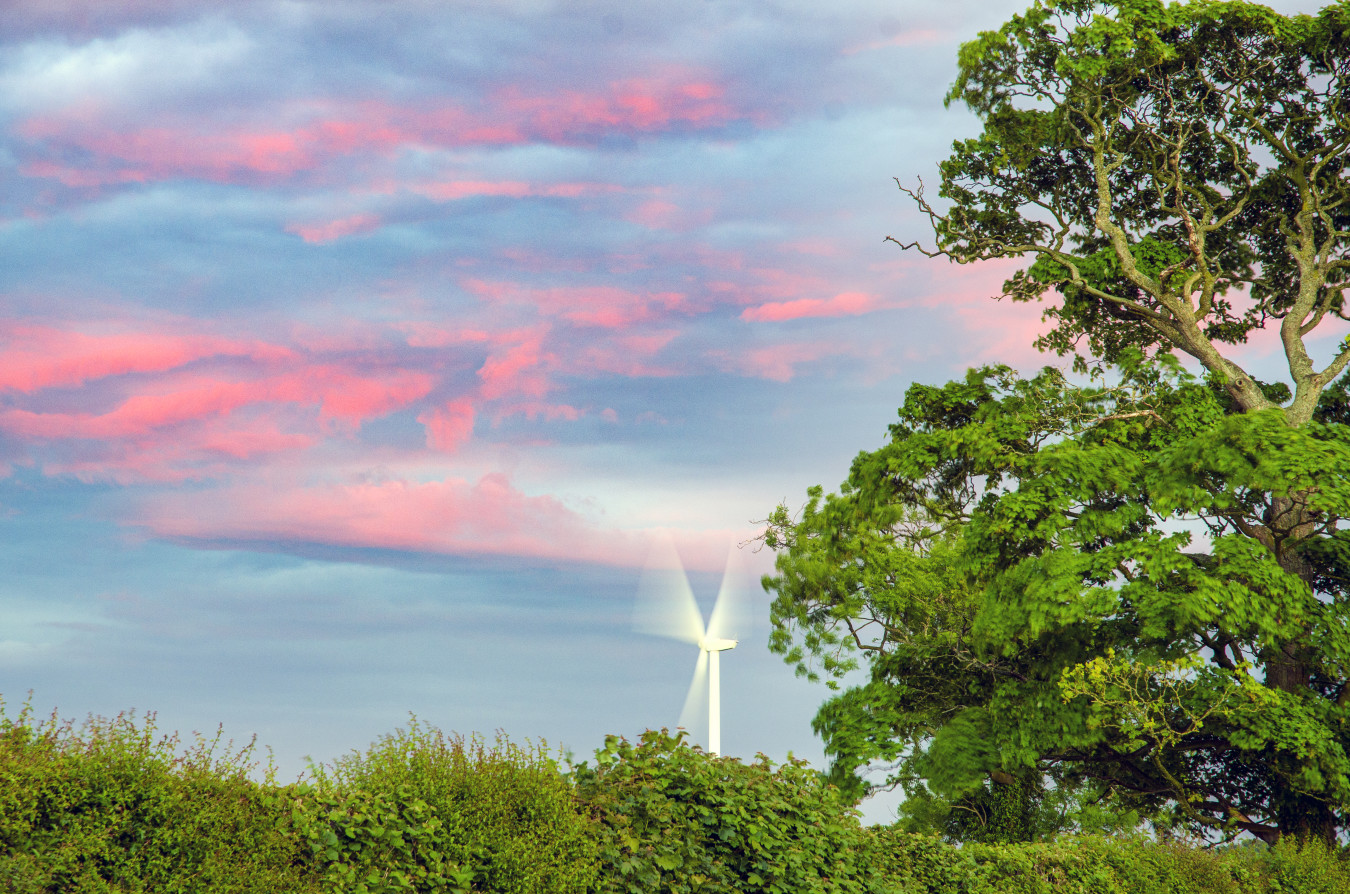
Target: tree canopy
{"type": "Point", "coordinates": [1178, 175]}
{"type": "Point", "coordinates": [1133, 587]}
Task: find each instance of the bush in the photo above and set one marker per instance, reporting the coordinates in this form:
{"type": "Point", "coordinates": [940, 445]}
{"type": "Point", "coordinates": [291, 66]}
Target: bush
{"type": "Point", "coordinates": [675, 819]}
{"type": "Point", "coordinates": [112, 806]}
{"type": "Point", "coordinates": [443, 812]}
{"type": "Point", "coordinates": [1095, 865]}
{"type": "Point", "coordinates": [369, 843]}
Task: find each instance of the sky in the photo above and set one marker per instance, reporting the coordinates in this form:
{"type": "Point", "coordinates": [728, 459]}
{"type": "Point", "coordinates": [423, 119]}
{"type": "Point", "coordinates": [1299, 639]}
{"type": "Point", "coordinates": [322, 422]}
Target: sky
{"type": "Point", "coordinates": [354, 354]}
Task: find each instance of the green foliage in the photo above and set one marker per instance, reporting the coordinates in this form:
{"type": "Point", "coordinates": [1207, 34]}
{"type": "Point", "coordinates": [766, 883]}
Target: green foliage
{"type": "Point", "coordinates": [1019, 570]}
{"type": "Point", "coordinates": [675, 820]}
{"type": "Point", "coordinates": [916, 864]}
{"type": "Point", "coordinates": [112, 806]}
{"type": "Point", "coordinates": [422, 810]}
{"type": "Point", "coordinates": [369, 843]}
{"type": "Point", "coordinates": [1022, 807]}
{"type": "Point", "coordinates": [1175, 173]}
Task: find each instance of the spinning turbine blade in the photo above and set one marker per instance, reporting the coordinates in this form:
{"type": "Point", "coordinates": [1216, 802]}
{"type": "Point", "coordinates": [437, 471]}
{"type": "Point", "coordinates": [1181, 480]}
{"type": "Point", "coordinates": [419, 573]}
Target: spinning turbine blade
{"type": "Point", "coordinates": [729, 615]}
{"type": "Point", "coordinates": [665, 603]}
{"type": "Point", "coordinates": [695, 709]}
{"type": "Point", "coordinates": [666, 607]}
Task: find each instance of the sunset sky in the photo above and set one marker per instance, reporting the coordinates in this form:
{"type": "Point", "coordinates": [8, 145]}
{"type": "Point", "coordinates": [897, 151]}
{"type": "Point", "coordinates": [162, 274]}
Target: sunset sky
{"type": "Point", "coordinates": [354, 351]}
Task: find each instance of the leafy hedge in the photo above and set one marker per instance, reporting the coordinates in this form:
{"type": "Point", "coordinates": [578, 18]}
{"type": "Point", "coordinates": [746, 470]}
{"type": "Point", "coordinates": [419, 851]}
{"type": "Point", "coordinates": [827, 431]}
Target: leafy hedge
{"type": "Point", "coordinates": [423, 811]}
{"type": "Point", "coordinates": [915, 864]}
{"type": "Point", "coordinates": [112, 806]}
{"type": "Point", "coordinates": [674, 819]}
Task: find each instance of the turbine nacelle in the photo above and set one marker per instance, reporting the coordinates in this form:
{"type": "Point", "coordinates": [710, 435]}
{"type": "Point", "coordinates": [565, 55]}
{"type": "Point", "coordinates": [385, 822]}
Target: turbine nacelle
{"type": "Point", "coordinates": [708, 644]}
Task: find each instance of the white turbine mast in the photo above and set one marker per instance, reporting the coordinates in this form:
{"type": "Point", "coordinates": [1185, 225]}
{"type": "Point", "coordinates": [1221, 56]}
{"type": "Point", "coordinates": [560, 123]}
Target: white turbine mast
{"type": "Point", "coordinates": [666, 607]}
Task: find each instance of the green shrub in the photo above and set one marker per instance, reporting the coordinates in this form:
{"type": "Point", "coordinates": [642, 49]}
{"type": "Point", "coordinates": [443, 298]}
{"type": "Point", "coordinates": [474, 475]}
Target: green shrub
{"type": "Point", "coordinates": [1311, 868]}
{"type": "Point", "coordinates": [113, 806]}
{"type": "Point", "coordinates": [916, 864]}
{"type": "Point", "coordinates": [369, 843]}
{"type": "Point", "coordinates": [675, 819]}
{"type": "Point", "coordinates": [503, 818]}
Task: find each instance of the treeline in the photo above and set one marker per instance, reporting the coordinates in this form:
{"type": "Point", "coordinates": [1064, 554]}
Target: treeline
{"type": "Point", "coordinates": [113, 806]}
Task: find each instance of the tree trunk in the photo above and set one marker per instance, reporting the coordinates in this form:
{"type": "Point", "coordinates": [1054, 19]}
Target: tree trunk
{"type": "Point", "coordinates": [1288, 665]}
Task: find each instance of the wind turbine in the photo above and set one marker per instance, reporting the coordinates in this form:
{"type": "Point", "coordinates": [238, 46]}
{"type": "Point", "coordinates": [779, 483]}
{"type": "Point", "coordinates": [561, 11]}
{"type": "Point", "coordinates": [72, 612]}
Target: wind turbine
{"type": "Point", "coordinates": [666, 607]}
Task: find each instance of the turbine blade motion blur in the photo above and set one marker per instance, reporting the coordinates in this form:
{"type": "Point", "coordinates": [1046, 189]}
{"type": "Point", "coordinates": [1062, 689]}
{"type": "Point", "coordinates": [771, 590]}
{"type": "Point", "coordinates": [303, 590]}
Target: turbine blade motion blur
{"type": "Point", "coordinates": [665, 603]}
{"type": "Point", "coordinates": [666, 607]}
{"type": "Point", "coordinates": [730, 614]}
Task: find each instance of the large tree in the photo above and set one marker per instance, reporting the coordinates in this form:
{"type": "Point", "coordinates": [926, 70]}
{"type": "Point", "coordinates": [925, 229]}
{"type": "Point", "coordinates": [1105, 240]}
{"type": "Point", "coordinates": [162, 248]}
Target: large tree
{"type": "Point", "coordinates": [1138, 585]}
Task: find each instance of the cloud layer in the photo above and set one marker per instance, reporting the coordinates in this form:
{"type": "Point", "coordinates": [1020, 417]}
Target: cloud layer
{"type": "Point", "coordinates": [353, 353]}
{"type": "Point", "coordinates": [267, 251]}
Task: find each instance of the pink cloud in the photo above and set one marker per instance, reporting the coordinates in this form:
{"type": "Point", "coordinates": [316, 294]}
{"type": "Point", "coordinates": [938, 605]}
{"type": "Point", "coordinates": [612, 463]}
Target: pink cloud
{"type": "Point", "coordinates": [843, 304]}
{"type": "Point", "coordinates": [318, 234]}
{"type": "Point", "coordinates": [902, 38]}
{"type": "Point", "coordinates": [449, 426]}
{"type": "Point", "coordinates": [608, 307]}
{"type": "Point", "coordinates": [450, 190]}
{"type": "Point", "coordinates": [777, 363]}
{"type": "Point", "coordinates": [519, 369]}
{"type": "Point", "coordinates": [641, 105]}
{"type": "Point", "coordinates": [990, 331]}
{"type": "Point", "coordinates": [451, 516]}
{"type": "Point", "coordinates": [247, 442]}
{"type": "Point", "coordinates": [655, 214]}
{"type": "Point", "coordinates": [308, 135]}
{"type": "Point", "coordinates": [138, 415]}
{"type": "Point", "coordinates": [421, 334]}
{"type": "Point", "coordinates": [627, 355]}
{"type": "Point", "coordinates": [1003, 333]}
{"type": "Point", "coordinates": [211, 447]}
{"type": "Point", "coordinates": [338, 394]}
{"type": "Point", "coordinates": [198, 149]}
{"type": "Point", "coordinates": [352, 396]}
{"type": "Point", "coordinates": [39, 356]}
{"type": "Point", "coordinates": [454, 190]}
{"type": "Point", "coordinates": [192, 410]}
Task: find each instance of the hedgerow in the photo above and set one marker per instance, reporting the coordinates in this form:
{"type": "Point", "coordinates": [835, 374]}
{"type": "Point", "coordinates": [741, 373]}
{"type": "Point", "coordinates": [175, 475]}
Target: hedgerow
{"type": "Point", "coordinates": [917, 864]}
{"type": "Point", "coordinates": [114, 807]}
{"type": "Point", "coordinates": [675, 819]}
{"type": "Point", "coordinates": [449, 814]}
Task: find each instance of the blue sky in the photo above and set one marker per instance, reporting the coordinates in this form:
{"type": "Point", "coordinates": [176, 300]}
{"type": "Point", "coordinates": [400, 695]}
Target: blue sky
{"type": "Point", "coordinates": [355, 352]}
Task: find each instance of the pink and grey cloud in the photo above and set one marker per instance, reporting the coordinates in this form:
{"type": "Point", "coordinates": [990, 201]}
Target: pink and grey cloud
{"type": "Point", "coordinates": [329, 231]}
{"type": "Point", "coordinates": [452, 516]}
{"type": "Point", "coordinates": [309, 135]}
{"type": "Point", "coordinates": [845, 304]}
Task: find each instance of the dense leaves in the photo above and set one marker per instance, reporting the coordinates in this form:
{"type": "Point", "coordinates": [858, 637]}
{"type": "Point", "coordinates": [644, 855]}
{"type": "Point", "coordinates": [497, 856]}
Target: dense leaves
{"type": "Point", "coordinates": [676, 820]}
{"type": "Point", "coordinates": [1125, 600]}
{"type": "Point", "coordinates": [424, 811]}
{"type": "Point", "coordinates": [114, 808]}
{"type": "Point", "coordinates": [1091, 585]}
{"type": "Point", "coordinates": [1176, 173]}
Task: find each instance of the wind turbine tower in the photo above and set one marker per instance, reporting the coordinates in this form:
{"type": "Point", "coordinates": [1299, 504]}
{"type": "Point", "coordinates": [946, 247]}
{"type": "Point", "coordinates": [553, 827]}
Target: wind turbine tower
{"type": "Point", "coordinates": [666, 607]}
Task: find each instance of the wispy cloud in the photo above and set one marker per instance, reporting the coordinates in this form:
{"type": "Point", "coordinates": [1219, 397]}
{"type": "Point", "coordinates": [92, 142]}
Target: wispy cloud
{"type": "Point", "coordinates": [329, 231]}
{"type": "Point", "coordinates": [452, 516]}
{"type": "Point", "coordinates": [841, 305]}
